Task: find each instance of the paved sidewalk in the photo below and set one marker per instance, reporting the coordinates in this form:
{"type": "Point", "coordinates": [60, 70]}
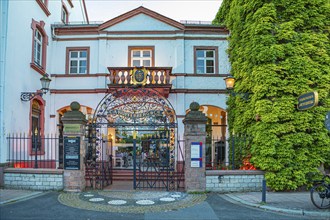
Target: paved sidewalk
{"type": "Point", "coordinates": [13, 195]}
{"type": "Point", "coordinates": [296, 203]}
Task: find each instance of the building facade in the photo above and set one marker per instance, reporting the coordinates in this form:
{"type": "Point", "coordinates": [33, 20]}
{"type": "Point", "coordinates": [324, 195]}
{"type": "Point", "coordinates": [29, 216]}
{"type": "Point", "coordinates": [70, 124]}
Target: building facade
{"type": "Point", "coordinates": [184, 62]}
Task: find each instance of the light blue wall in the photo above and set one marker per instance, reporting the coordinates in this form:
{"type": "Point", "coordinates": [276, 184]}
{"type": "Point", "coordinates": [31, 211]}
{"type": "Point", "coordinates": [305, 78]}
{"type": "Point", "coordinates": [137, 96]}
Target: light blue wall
{"type": "Point", "coordinates": [141, 22]}
{"type": "Point", "coordinates": [3, 50]}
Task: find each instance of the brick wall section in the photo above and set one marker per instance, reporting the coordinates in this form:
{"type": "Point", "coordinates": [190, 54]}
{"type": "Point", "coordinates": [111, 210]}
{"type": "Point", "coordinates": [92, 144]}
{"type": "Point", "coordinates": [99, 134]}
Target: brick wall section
{"type": "Point", "coordinates": [33, 179]}
{"type": "Point", "coordinates": [234, 180]}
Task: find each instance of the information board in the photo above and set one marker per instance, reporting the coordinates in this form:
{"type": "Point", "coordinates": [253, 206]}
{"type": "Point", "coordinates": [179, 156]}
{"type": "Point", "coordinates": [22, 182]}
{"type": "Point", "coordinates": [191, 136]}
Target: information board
{"type": "Point", "coordinates": [71, 153]}
{"type": "Point", "coordinates": [196, 154]}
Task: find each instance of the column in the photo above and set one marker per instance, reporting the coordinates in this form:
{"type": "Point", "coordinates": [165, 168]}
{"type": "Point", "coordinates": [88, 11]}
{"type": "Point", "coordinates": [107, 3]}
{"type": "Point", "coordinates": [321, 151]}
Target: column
{"type": "Point", "coordinates": [195, 137]}
{"type": "Point", "coordinates": [74, 123]}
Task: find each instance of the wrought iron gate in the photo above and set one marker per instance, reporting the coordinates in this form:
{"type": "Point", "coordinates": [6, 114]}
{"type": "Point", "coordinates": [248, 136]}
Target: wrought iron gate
{"type": "Point", "coordinates": [144, 112]}
{"type": "Point", "coordinates": [98, 173]}
{"type": "Point", "coordinates": [155, 168]}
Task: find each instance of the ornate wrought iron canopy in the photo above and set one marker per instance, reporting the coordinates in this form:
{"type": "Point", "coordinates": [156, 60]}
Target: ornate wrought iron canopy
{"type": "Point", "coordinates": [135, 107]}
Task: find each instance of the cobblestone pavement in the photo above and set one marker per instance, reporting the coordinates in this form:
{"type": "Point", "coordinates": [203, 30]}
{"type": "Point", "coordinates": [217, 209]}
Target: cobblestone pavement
{"type": "Point", "coordinates": [130, 201]}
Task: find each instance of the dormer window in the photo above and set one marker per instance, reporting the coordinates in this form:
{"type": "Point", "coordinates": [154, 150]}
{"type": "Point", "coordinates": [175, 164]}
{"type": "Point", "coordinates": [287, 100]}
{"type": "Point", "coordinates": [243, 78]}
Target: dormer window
{"type": "Point", "coordinates": [65, 15]}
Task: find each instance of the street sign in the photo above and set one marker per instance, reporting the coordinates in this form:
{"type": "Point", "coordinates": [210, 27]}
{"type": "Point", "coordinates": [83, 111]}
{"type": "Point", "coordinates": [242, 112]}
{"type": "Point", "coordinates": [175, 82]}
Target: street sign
{"type": "Point", "coordinates": [308, 100]}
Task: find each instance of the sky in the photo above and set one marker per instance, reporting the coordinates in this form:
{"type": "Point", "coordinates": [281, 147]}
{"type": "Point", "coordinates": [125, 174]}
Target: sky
{"type": "Point", "coordinates": [193, 10]}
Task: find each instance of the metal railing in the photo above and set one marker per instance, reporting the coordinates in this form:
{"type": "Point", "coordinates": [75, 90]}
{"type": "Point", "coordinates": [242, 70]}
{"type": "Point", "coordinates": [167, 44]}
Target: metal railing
{"type": "Point", "coordinates": [98, 174]}
{"type": "Point", "coordinates": [156, 76]}
{"type": "Point", "coordinates": [231, 157]}
{"type": "Point", "coordinates": [195, 22]}
{"type": "Point", "coordinates": [25, 151]}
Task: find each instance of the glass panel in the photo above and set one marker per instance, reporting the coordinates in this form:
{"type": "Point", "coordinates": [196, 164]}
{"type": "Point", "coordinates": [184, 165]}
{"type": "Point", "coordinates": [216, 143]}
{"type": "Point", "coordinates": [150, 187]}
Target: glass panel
{"type": "Point", "coordinates": [209, 53]}
{"type": "Point", "coordinates": [209, 63]}
{"type": "Point", "coordinates": [82, 69]}
{"type": "Point", "coordinates": [146, 62]}
{"type": "Point", "coordinates": [209, 70]}
{"type": "Point", "coordinates": [146, 53]}
{"type": "Point", "coordinates": [83, 53]}
{"type": "Point", "coordinates": [38, 35]}
{"type": "Point", "coordinates": [73, 70]}
{"type": "Point", "coordinates": [136, 53]}
{"type": "Point", "coordinates": [38, 58]}
{"type": "Point", "coordinates": [82, 63]}
{"type": "Point", "coordinates": [136, 63]}
{"type": "Point", "coordinates": [35, 133]}
{"type": "Point", "coordinates": [200, 63]}
{"type": "Point", "coordinates": [37, 53]}
{"type": "Point", "coordinates": [74, 63]}
{"type": "Point", "coordinates": [200, 69]}
{"type": "Point", "coordinates": [200, 53]}
{"type": "Point", "coordinates": [74, 54]}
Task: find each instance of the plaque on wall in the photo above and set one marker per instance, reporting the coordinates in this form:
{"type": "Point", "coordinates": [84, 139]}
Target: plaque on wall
{"type": "Point", "coordinates": [196, 154]}
{"type": "Point", "coordinates": [71, 153]}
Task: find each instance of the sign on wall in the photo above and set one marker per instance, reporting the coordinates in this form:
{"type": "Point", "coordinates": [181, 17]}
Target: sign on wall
{"type": "Point", "coordinates": [71, 153]}
{"type": "Point", "coordinates": [71, 128]}
{"type": "Point", "coordinates": [327, 121]}
{"type": "Point", "coordinates": [196, 154]}
{"type": "Point", "coordinates": [308, 100]}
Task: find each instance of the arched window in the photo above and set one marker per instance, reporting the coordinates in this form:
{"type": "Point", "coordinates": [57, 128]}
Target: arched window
{"type": "Point", "coordinates": [216, 128]}
{"type": "Point", "coordinates": [37, 120]}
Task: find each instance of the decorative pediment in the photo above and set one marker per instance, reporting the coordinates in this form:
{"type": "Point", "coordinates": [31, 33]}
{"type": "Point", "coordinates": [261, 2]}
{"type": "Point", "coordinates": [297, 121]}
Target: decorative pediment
{"type": "Point", "coordinates": [141, 19]}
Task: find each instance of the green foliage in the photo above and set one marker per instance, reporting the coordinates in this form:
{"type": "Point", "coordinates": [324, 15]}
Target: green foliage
{"type": "Point", "coordinates": [279, 50]}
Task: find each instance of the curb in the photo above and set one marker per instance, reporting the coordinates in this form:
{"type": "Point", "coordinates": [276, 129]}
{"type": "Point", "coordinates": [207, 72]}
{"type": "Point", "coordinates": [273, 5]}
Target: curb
{"type": "Point", "coordinates": [21, 198]}
{"type": "Point", "coordinates": [283, 210]}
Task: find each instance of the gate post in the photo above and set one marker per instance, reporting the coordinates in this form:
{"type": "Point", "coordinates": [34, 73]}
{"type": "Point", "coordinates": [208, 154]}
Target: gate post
{"type": "Point", "coordinates": [74, 123]}
{"type": "Point", "coordinates": [195, 137]}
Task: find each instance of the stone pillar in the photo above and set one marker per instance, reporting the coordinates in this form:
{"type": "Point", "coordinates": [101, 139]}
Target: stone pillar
{"type": "Point", "coordinates": [74, 123]}
{"type": "Point", "coordinates": [195, 136]}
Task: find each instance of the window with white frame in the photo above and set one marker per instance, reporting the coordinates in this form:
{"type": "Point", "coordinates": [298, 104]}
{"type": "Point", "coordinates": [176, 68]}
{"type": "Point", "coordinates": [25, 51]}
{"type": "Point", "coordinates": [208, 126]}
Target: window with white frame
{"type": "Point", "coordinates": [38, 47]}
{"type": "Point", "coordinates": [78, 62]}
{"type": "Point", "coordinates": [141, 57]}
{"type": "Point", "coordinates": [205, 61]}
{"type": "Point", "coordinates": [65, 17]}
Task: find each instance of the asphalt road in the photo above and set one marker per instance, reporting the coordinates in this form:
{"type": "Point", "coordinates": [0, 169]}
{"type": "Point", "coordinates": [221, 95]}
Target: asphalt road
{"type": "Point", "coordinates": [47, 207]}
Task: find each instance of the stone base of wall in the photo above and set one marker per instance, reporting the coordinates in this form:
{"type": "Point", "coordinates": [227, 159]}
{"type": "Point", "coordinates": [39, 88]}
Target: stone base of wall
{"type": "Point", "coordinates": [234, 180]}
{"type": "Point", "coordinates": [33, 179]}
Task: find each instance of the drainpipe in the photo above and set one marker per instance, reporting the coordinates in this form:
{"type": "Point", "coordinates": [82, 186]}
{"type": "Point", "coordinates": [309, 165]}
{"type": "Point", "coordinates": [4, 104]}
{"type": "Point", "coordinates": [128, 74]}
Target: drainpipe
{"type": "Point", "coordinates": [3, 46]}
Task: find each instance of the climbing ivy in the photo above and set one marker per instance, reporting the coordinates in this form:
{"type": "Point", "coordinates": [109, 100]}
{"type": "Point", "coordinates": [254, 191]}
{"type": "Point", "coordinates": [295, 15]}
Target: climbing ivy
{"type": "Point", "coordinates": [279, 50]}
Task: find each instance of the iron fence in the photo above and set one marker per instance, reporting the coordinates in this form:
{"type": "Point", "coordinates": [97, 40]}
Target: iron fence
{"type": "Point", "coordinates": [230, 154]}
{"type": "Point", "coordinates": [25, 151]}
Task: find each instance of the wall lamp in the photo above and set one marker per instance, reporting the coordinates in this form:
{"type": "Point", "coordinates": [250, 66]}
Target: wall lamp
{"type": "Point", "coordinates": [45, 81]}
{"type": "Point", "coordinates": [230, 83]}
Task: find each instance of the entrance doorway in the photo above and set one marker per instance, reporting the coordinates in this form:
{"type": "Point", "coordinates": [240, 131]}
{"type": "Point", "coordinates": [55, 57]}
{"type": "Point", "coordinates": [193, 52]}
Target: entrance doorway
{"type": "Point", "coordinates": [136, 130]}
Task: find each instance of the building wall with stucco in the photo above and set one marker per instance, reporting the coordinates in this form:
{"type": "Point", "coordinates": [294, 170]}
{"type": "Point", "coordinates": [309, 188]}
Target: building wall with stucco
{"type": "Point", "coordinates": [174, 46]}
